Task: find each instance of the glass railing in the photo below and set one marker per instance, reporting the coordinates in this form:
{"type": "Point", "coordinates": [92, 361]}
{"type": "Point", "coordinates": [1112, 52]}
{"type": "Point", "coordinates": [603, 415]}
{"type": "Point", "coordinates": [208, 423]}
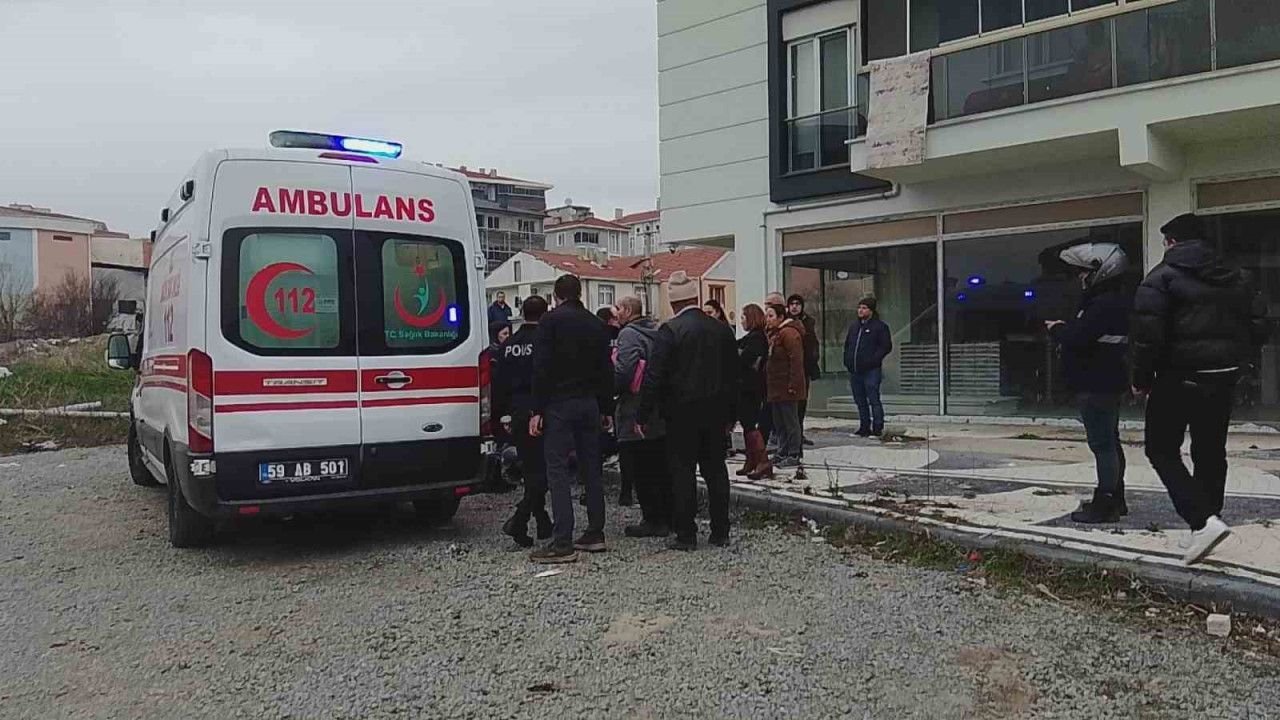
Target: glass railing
{"type": "Point", "coordinates": [1157, 43]}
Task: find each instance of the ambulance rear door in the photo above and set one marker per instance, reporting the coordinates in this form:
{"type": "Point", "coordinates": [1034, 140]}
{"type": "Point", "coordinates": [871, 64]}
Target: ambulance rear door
{"type": "Point", "coordinates": [282, 336]}
{"type": "Point", "coordinates": [420, 338]}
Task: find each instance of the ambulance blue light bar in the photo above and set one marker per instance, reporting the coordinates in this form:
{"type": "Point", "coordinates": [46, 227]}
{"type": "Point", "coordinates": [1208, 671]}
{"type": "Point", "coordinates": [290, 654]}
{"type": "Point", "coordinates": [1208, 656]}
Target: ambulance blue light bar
{"type": "Point", "coordinates": [321, 141]}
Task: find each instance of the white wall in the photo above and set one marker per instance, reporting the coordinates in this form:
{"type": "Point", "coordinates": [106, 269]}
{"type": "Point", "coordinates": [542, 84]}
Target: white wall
{"type": "Point", "coordinates": [713, 127]}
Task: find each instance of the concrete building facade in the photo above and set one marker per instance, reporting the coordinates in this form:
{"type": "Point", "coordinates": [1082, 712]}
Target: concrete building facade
{"type": "Point", "coordinates": [938, 155]}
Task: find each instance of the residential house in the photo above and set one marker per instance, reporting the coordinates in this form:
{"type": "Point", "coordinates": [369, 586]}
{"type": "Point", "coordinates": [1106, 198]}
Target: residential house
{"type": "Point", "coordinates": [607, 278]}
{"type": "Point", "coordinates": [587, 232]}
{"type": "Point", "coordinates": [509, 212]}
{"type": "Point", "coordinates": [645, 230]}
{"type": "Point", "coordinates": [938, 155]}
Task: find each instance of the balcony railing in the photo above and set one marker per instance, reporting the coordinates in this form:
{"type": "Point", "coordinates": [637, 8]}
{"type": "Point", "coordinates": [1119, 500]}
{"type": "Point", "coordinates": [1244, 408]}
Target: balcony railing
{"type": "Point", "coordinates": [1147, 45]}
{"type": "Point", "coordinates": [499, 245]}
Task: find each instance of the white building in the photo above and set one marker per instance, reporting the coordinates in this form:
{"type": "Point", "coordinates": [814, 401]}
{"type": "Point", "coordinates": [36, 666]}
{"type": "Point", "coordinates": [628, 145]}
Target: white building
{"type": "Point", "coordinates": [587, 233]}
{"type": "Point", "coordinates": [646, 230]}
{"type": "Point", "coordinates": [803, 135]}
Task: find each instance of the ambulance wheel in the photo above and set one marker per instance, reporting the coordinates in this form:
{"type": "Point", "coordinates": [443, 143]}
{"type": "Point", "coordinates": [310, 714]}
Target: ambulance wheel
{"type": "Point", "coordinates": [439, 509]}
{"type": "Point", "coordinates": [138, 470]}
{"type": "Point", "coordinates": [187, 528]}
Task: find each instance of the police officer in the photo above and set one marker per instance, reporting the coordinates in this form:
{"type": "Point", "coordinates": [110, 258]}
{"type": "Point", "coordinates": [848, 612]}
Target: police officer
{"type": "Point", "coordinates": [513, 401]}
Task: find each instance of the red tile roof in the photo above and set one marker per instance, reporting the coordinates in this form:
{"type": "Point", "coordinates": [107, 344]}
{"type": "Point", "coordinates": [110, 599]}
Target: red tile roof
{"type": "Point", "coordinates": [695, 261]}
{"type": "Point", "coordinates": [591, 222]}
{"type": "Point", "coordinates": [637, 218]}
{"type": "Point", "coordinates": [477, 175]}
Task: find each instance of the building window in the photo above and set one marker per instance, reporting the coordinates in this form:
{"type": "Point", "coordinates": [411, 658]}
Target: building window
{"type": "Point", "coordinates": [515, 271]}
{"type": "Point", "coordinates": [479, 220]}
{"type": "Point", "coordinates": [531, 192]}
{"type": "Point", "coordinates": [491, 222]}
{"type": "Point", "coordinates": [642, 292]}
{"type": "Point", "coordinates": [716, 292]}
{"type": "Point", "coordinates": [559, 239]}
{"type": "Point", "coordinates": [891, 26]}
{"type": "Point", "coordinates": [5, 236]}
{"type": "Point", "coordinates": [615, 243]}
{"type": "Point", "coordinates": [526, 226]}
{"type": "Point", "coordinates": [821, 113]}
{"type": "Point", "coordinates": [606, 295]}
{"type": "Point", "coordinates": [581, 237]}
{"type": "Point", "coordinates": [63, 238]}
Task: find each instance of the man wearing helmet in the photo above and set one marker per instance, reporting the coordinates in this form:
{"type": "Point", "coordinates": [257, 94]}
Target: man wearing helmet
{"type": "Point", "coordinates": [1093, 346]}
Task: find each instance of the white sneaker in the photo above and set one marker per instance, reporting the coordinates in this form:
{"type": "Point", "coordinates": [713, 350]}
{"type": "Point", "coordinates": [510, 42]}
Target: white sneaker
{"type": "Point", "coordinates": [1184, 542]}
{"type": "Point", "coordinates": [1203, 541]}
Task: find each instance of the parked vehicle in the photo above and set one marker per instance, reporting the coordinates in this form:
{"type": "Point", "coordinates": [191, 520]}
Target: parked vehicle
{"type": "Point", "coordinates": [314, 336]}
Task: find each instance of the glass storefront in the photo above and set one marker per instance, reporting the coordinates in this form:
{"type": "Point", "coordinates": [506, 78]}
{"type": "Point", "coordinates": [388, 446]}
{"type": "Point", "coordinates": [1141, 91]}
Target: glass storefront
{"type": "Point", "coordinates": [997, 294]}
{"type": "Point", "coordinates": [903, 279]}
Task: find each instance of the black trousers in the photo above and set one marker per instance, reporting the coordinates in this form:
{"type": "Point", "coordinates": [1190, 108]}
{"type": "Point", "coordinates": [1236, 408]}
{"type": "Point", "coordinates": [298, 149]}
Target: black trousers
{"type": "Point", "coordinates": [1202, 405]}
{"type": "Point", "coordinates": [644, 467]}
{"type": "Point", "coordinates": [533, 465]}
{"type": "Point", "coordinates": [695, 441]}
{"type": "Point", "coordinates": [573, 426]}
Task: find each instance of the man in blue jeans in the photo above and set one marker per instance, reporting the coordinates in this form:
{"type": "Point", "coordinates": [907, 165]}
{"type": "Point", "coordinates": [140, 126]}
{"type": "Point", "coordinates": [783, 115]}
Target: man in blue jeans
{"type": "Point", "coordinates": [865, 348]}
{"type": "Point", "coordinates": [1094, 345]}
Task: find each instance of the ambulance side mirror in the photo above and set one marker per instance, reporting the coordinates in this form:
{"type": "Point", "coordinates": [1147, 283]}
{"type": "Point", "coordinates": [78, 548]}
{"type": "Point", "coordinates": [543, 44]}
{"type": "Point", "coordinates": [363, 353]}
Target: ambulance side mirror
{"type": "Point", "coordinates": [119, 354]}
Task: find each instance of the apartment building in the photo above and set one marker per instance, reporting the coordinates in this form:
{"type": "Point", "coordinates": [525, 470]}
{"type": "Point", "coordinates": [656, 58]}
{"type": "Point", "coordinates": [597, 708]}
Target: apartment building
{"type": "Point", "coordinates": [937, 155]}
{"type": "Point", "coordinates": [645, 230]}
{"type": "Point", "coordinates": [572, 229]}
{"type": "Point", "coordinates": [509, 212]}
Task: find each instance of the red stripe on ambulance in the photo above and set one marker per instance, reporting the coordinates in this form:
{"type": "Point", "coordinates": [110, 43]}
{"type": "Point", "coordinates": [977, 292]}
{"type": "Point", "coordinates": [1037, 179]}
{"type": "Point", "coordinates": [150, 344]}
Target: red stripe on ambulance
{"type": "Point", "coordinates": [283, 382]}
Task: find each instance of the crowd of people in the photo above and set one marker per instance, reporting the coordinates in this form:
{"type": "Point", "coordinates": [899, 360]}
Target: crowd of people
{"type": "Point", "coordinates": [569, 381]}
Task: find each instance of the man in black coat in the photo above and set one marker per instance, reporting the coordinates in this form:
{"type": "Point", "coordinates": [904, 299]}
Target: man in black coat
{"type": "Point", "coordinates": [693, 378]}
{"type": "Point", "coordinates": [1094, 344]}
{"type": "Point", "coordinates": [1197, 324]}
{"type": "Point", "coordinates": [866, 346]}
{"type": "Point", "coordinates": [513, 403]}
{"type": "Point", "coordinates": [572, 397]}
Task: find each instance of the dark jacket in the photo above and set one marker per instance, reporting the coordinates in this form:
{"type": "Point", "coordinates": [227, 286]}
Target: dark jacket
{"type": "Point", "coordinates": [571, 358]}
{"type": "Point", "coordinates": [636, 342]}
{"type": "Point", "coordinates": [499, 313]}
{"type": "Point", "coordinates": [694, 367]}
{"type": "Point", "coordinates": [753, 353]}
{"type": "Point", "coordinates": [1192, 313]}
{"type": "Point", "coordinates": [812, 369]}
{"type": "Point", "coordinates": [1095, 343]}
{"type": "Point", "coordinates": [784, 371]}
{"type": "Point", "coordinates": [866, 345]}
{"type": "Point", "coordinates": [513, 373]}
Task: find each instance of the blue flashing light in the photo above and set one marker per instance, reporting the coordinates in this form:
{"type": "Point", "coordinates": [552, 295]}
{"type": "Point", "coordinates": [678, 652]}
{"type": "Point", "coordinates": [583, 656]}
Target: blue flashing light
{"type": "Point", "coordinates": [322, 141]}
{"type": "Point", "coordinates": [961, 297]}
{"type": "Point", "coordinates": [371, 147]}
{"type": "Point", "coordinates": [976, 280]}
{"type": "Point", "coordinates": [1029, 294]}
{"type": "Point", "coordinates": [453, 314]}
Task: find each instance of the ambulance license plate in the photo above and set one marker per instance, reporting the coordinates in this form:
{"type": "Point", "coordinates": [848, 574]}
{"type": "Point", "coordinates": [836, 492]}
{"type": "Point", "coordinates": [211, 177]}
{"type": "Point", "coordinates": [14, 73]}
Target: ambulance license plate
{"type": "Point", "coordinates": [296, 472]}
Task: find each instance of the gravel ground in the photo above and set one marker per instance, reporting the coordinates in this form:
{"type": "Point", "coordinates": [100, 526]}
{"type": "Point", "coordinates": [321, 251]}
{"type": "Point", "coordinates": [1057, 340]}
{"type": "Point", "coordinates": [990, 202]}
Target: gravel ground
{"type": "Point", "coordinates": [376, 616]}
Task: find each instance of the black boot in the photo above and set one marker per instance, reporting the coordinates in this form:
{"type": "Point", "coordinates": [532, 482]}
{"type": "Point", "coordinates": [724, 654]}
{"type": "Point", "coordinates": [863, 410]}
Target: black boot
{"type": "Point", "coordinates": [625, 498]}
{"type": "Point", "coordinates": [1102, 509]}
{"type": "Point", "coordinates": [1121, 505]}
{"type": "Point", "coordinates": [517, 528]}
{"type": "Point", "coordinates": [545, 525]}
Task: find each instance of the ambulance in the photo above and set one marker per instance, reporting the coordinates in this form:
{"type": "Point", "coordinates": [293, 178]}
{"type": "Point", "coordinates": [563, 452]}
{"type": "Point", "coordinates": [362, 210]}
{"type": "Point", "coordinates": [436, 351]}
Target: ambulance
{"type": "Point", "coordinates": [314, 337]}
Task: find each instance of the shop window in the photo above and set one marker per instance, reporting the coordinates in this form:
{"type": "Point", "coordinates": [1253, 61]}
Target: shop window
{"type": "Point", "coordinates": [903, 279]}
{"type": "Point", "coordinates": [1249, 240]}
{"type": "Point", "coordinates": [997, 294]}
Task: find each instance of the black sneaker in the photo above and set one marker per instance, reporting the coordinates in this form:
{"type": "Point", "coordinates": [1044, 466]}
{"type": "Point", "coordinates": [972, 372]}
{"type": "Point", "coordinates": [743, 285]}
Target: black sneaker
{"type": "Point", "coordinates": [863, 432]}
{"type": "Point", "coordinates": [677, 543]}
{"type": "Point", "coordinates": [645, 530]}
{"type": "Point", "coordinates": [719, 540]}
{"type": "Point", "coordinates": [1123, 507]}
{"type": "Point", "coordinates": [545, 526]}
{"type": "Point", "coordinates": [1095, 513]}
{"type": "Point", "coordinates": [589, 541]}
{"type": "Point", "coordinates": [519, 534]}
{"type": "Point", "coordinates": [806, 442]}
{"type": "Point", "coordinates": [554, 554]}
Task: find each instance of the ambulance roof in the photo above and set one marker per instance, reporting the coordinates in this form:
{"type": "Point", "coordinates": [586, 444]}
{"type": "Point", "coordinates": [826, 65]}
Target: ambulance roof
{"type": "Point", "coordinates": [339, 158]}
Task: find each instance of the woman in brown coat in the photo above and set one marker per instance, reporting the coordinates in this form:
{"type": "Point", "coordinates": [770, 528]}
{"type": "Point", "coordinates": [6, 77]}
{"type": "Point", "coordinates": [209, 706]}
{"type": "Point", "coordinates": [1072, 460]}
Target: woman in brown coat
{"type": "Point", "coordinates": [786, 383]}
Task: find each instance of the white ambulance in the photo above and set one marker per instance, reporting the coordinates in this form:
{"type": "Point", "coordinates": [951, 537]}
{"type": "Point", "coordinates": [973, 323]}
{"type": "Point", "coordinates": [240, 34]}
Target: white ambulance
{"type": "Point", "coordinates": [314, 336]}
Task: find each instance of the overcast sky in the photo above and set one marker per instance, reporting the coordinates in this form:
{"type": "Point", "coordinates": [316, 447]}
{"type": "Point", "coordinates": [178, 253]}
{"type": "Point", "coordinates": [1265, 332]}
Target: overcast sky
{"type": "Point", "coordinates": [106, 103]}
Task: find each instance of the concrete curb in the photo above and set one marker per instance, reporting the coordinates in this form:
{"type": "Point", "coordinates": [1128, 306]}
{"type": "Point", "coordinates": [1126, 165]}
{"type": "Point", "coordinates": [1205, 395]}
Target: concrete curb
{"type": "Point", "coordinates": [1189, 585]}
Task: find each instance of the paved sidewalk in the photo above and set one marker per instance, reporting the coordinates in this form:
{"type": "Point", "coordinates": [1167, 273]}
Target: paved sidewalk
{"type": "Point", "coordinates": [1022, 482]}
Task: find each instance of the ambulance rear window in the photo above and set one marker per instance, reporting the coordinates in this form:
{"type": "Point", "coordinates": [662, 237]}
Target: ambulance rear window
{"type": "Point", "coordinates": [287, 292]}
{"type": "Point", "coordinates": [422, 291]}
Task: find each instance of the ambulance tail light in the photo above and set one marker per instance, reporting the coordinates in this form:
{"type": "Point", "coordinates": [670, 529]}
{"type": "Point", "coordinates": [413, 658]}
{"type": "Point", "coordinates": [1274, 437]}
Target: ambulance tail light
{"type": "Point", "coordinates": [199, 402]}
{"type": "Point", "coordinates": [486, 396]}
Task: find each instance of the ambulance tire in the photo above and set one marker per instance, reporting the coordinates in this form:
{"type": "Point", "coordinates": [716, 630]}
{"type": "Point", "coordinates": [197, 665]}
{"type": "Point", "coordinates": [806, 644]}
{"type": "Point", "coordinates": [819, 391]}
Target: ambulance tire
{"type": "Point", "coordinates": [187, 528]}
{"type": "Point", "coordinates": [438, 510]}
{"type": "Point", "coordinates": [138, 470]}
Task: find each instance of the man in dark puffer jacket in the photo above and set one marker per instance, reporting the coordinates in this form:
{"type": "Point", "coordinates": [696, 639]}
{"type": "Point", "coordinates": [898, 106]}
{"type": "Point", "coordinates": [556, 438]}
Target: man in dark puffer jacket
{"type": "Point", "coordinates": [1196, 325]}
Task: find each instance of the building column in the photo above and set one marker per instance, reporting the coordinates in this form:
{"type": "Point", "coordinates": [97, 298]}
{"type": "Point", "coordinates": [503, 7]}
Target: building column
{"type": "Point", "coordinates": [1165, 201]}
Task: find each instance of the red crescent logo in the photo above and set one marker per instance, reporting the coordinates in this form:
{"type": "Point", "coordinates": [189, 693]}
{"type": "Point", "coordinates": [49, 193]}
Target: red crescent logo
{"type": "Point", "coordinates": [255, 300]}
{"type": "Point", "coordinates": [425, 321]}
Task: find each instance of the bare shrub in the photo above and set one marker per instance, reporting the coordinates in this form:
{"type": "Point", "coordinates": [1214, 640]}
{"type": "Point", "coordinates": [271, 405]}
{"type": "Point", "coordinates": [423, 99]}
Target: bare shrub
{"type": "Point", "coordinates": [14, 299]}
{"type": "Point", "coordinates": [103, 296]}
{"type": "Point", "coordinates": [64, 310]}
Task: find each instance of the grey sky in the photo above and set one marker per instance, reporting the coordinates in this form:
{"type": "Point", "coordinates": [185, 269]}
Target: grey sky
{"type": "Point", "coordinates": [106, 103]}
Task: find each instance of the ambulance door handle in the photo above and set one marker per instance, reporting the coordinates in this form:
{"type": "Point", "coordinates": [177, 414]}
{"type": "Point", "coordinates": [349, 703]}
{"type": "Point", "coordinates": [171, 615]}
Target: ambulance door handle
{"type": "Point", "coordinates": [395, 379]}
